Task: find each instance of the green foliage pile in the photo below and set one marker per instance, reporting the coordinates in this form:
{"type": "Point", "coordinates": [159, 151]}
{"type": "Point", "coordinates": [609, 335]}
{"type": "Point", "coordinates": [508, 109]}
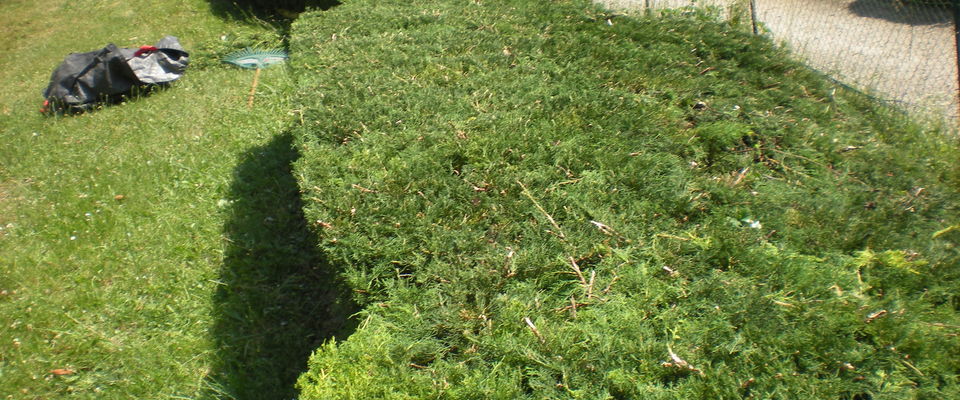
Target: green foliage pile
{"type": "Point", "coordinates": [539, 199]}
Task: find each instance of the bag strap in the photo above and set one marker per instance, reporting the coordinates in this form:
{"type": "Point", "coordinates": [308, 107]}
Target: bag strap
{"type": "Point", "coordinates": [144, 49]}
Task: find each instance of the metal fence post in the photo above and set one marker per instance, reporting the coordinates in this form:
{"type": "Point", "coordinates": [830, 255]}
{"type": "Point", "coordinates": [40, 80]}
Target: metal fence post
{"type": "Point", "coordinates": [956, 42]}
{"type": "Point", "coordinates": [753, 16]}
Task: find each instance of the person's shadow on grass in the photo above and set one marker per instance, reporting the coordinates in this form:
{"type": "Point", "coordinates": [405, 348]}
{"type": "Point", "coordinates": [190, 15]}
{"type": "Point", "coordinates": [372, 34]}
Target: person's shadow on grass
{"type": "Point", "coordinates": [278, 299]}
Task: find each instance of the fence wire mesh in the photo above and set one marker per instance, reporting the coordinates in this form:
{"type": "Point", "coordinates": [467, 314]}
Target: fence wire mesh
{"type": "Point", "coordinates": [900, 51]}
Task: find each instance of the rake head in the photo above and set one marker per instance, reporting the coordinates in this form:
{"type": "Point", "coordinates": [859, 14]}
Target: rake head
{"type": "Point", "coordinates": [255, 59]}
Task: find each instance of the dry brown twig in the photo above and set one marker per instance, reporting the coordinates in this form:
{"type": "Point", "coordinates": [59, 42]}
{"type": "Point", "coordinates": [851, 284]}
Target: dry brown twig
{"type": "Point", "coordinates": [604, 228]}
{"type": "Point", "coordinates": [526, 192]}
{"type": "Point", "coordinates": [914, 368]}
{"type": "Point", "coordinates": [680, 363]}
{"type": "Point", "coordinates": [875, 315]}
{"type": "Point", "coordinates": [574, 305]}
{"type": "Point", "coordinates": [534, 329]}
{"type": "Point", "coordinates": [362, 189]}
{"type": "Point", "coordinates": [610, 285]}
{"type": "Point", "coordinates": [674, 237]}
{"type": "Point", "coordinates": [587, 286]}
{"type": "Point", "coordinates": [740, 175]}
{"type": "Point", "coordinates": [576, 270]}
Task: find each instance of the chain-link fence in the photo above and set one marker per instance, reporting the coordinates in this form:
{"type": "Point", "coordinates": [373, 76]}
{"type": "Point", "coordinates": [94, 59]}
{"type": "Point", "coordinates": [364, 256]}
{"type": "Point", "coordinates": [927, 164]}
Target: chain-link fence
{"type": "Point", "coordinates": [900, 51]}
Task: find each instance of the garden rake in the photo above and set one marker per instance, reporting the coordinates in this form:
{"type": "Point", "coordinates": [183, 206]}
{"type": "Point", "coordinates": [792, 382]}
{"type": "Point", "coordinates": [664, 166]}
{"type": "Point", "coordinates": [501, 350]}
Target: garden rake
{"type": "Point", "coordinates": [255, 59]}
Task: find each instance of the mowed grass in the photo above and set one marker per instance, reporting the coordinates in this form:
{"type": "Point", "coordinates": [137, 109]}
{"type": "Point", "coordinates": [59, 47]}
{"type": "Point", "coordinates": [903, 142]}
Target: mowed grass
{"type": "Point", "coordinates": [142, 246]}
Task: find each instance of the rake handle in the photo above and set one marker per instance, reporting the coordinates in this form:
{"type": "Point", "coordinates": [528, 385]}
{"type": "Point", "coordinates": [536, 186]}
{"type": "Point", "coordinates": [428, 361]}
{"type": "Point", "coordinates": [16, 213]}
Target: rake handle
{"type": "Point", "coordinates": [253, 88]}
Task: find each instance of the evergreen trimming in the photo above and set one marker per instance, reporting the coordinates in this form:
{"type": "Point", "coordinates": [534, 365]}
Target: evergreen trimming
{"type": "Point", "coordinates": [540, 199]}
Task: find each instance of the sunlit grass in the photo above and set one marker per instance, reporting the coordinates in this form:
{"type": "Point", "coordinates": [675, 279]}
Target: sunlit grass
{"type": "Point", "coordinates": [112, 243]}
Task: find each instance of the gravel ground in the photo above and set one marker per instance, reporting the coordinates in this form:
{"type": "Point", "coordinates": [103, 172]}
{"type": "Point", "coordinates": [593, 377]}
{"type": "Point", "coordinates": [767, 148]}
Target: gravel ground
{"type": "Point", "coordinates": [900, 53]}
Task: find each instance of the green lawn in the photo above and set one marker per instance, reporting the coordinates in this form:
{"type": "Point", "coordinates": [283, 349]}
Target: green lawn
{"type": "Point", "coordinates": [154, 249]}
